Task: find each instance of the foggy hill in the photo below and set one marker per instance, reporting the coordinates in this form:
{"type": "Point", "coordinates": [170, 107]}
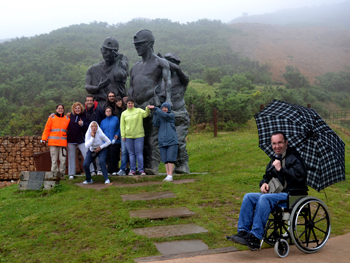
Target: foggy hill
{"type": "Point", "coordinates": [314, 50]}
{"type": "Point", "coordinates": [331, 15]}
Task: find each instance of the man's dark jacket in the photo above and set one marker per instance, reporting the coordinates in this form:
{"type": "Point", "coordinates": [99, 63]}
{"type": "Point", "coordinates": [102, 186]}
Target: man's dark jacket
{"type": "Point", "coordinates": [294, 172]}
{"type": "Point", "coordinates": [95, 113]}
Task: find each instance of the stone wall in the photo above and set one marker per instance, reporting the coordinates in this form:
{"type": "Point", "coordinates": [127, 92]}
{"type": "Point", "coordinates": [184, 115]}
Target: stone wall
{"type": "Point", "coordinates": [17, 154]}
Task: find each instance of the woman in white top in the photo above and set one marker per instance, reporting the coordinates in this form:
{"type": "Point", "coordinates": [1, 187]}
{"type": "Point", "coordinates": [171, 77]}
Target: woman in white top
{"type": "Point", "coordinates": [96, 142]}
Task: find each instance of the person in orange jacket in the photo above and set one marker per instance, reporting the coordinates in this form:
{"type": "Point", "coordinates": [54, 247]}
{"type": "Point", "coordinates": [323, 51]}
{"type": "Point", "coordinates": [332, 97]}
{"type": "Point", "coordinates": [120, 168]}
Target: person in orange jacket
{"type": "Point", "coordinates": [55, 133]}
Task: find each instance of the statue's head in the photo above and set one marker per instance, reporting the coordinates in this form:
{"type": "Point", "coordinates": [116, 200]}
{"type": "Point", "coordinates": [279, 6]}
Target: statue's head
{"type": "Point", "coordinates": [111, 43]}
{"type": "Point", "coordinates": [143, 38]}
{"type": "Point", "coordinates": [109, 49]}
{"type": "Point", "coordinates": [173, 58]}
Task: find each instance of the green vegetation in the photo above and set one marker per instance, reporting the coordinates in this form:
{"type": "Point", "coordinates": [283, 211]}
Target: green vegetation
{"type": "Point", "coordinates": [73, 224]}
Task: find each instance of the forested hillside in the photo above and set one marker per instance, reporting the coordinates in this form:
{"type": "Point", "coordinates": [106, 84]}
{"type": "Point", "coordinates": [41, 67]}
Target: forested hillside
{"type": "Point", "coordinates": [38, 72]}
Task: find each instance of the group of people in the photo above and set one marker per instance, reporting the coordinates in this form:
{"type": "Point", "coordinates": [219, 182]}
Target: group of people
{"type": "Point", "coordinates": [101, 134]}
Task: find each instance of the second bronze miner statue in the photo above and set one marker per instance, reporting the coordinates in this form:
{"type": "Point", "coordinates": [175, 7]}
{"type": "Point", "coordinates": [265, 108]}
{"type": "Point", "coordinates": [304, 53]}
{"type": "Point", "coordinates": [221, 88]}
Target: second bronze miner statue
{"type": "Point", "coordinates": [109, 75]}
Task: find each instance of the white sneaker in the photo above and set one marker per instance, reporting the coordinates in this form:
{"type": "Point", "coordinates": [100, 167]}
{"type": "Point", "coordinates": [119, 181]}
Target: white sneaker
{"type": "Point", "coordinates": [107, 181]}
{"type": "Point", "coordinates": [114, 173]}
{"type": "Point", "coordinates": [99, 173]}
{"type": "Point", "coordinates": [168, 179]}
{"type": "Point", "coordinates": [86, 182]}
{"type": "Point", "coordinates": [93, 173]}
{"type": "Point", "coordinates": [71, 177]}
{"type": "Point", "coordinates": [121, 172]}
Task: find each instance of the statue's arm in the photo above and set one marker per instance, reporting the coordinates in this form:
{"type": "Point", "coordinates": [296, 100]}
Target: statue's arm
{"type": "Point", "coordinates": [92, 89]}
{"type": "Point", "coordinates": [166, 74]}
{"type": "Point", "coordinates": [131, 85]}
{"type": "Point", "coordinates": [184, 78]}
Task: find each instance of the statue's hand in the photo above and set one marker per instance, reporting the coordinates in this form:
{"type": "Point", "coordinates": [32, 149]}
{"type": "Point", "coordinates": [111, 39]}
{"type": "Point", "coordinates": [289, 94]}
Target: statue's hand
{"type": "Point", "coordinates": [104, 83]}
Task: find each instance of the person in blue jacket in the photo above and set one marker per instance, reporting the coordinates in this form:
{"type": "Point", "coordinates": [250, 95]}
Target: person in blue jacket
{"type": "Point", "coordinates": [111, 128]}
{"type": "Point", "coordinates": [168, 143]}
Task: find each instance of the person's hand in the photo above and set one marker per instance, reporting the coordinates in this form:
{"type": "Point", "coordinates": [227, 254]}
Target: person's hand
{"type": "Point", "coordinates": [277, 164]}
{"type": "Point", "coordinates": [150, 107]}
{"type": "Point", "coordinates": [264, 188]}
{"type": "Point", "coordinates": [51, 115]}
{"type": "Point", "coordinates": [116, 137]}
{"type": "Point", "coordinates": [97, 150]}
{"type": "Point", "coordinates": [93, 134]}
{"type": "Point", "coordinates": [80, 122]}
{"type": "Point", "coordinates": [43, 142]}
{"type": "Point", "coordinates": [68, 115]}
{"type": "Point", "coordinates": [123, 139]}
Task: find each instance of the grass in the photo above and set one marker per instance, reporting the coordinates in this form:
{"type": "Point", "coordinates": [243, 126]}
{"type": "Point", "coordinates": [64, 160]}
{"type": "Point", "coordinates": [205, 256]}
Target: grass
{"type": "Point", "coordinates": [72, 224]}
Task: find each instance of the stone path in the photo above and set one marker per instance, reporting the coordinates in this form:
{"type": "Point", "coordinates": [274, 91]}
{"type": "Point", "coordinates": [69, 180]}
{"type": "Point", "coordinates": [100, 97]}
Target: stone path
{"type": "Point", "coordinates": [168, 250]}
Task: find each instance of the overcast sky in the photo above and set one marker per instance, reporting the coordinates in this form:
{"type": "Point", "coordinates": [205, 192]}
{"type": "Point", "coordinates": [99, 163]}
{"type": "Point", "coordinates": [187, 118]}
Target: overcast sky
{"type": "Point", "coordinates": [33, 17]}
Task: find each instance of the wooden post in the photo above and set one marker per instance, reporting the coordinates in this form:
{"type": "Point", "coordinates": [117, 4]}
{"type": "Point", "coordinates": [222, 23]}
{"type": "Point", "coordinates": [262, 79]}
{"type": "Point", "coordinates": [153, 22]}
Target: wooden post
{"type": "Point", "coordinates": [261, 106]}
{"type": "Point", "coordinates": [215, 119]}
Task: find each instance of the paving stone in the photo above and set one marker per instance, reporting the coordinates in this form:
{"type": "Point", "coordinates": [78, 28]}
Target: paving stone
{"type": "Point", "coordinates": [170, 231]}
{"type": "Point", "coordinates": [176, 247]}
{"type": "Point", "coordinates": [162, 213]}
{"type": "Point", "coordinates": [187, 254]}
{"type": "Point", "coordinates": [96, 186]}
{"type": "Point", "coordinates": [182, 181]}
{"type": "Point", "coordinates": [148, 196]}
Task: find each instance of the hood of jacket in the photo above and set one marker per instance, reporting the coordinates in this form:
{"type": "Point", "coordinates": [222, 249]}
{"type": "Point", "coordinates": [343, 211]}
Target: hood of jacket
{"type": "Point", "coordinates": [166, 104]}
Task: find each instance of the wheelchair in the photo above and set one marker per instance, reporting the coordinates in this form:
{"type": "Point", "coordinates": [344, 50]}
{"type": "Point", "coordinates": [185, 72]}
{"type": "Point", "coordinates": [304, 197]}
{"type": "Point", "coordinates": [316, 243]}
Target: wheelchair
{"type": "Point", "coordinates": [301, 220]}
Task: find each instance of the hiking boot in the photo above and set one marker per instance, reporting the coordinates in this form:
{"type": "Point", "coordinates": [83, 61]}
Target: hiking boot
{"type": "Point", "coordinates": [251, 241]}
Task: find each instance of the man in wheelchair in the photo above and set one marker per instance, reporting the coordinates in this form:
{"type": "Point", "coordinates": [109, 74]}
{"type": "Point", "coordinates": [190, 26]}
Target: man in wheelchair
{"type": "Point", "coordinates": [290, 170]}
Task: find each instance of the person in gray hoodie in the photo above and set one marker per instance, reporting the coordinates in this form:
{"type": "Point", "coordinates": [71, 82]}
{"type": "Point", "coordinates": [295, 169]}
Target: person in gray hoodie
{"type": "Point", "coordinates": [164, 119]}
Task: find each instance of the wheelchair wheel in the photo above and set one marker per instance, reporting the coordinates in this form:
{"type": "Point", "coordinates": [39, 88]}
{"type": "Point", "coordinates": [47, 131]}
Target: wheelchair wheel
{"type": "Point", "coordinates": [281, 248]}
{"type": "Point", "coordinates": [275, 230]}
{"type": "Point", "coordinates": [310, 224]}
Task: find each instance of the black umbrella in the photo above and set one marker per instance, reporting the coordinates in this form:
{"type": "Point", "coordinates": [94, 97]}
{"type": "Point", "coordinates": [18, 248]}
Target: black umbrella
{"type": "Point", "coordinates": [319, 146]}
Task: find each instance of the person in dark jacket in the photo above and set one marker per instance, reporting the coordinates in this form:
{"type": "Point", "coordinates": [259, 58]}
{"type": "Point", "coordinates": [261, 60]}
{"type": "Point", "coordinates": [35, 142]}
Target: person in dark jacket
{"type": "Point", "coordinates": [111, 102]}
{"type": "Point", "coordinates": [111, 128]}
{"type": "Point", "coordinates": [93, 112]}
{"type": "Point", "coordinates": [78, 125]}
{"type": "Point", "coordinates": [290, 170]}
{"type": "Point", "coordinates": [168, 143]}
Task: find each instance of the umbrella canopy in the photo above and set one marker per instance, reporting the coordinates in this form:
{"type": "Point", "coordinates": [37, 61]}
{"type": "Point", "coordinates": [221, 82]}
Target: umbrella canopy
{"type": "Point", "coordinates": [319, 146]}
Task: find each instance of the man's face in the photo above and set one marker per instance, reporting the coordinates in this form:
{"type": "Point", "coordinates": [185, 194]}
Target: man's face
{"type": "Point", "coordinates": [111, 97]}
{"type": "Point", "coordinates": [107, 54]}
{"type": "Point", "coordinates": [141, 48]}
{"type": "Point", "coordinates": [89, 102]}
{"type": "Point", "coordinates": [279, 145]}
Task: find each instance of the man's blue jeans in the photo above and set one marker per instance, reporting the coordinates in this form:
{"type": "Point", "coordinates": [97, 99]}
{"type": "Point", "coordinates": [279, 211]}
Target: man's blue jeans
{"type": "Point", "coordinates": [102, 155]}
{"type": "Point", "coordinates": [255, 211]}
{"type": "Point", "coordinates": [125, 156]}
{"type": "Point", "coordinates": [135, 149]}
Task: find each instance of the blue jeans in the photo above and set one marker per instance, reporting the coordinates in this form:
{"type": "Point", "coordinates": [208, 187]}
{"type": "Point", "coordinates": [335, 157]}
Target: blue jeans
{"type": "Point", "coordinates": [135, 149]}
{"type": "Point", "coordinates": [125, 156]}
{"type": "Point", "coordinates": [102, 155]}
{"type": "Point", "coordinates": [255, 211]}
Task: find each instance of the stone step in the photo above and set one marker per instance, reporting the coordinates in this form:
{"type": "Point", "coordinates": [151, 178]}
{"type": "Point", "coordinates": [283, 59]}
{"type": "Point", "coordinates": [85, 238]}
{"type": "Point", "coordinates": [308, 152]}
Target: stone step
{"type": "Point", "coordinates": [148, 196]}
{"type": "Point", "coordinates": [182, 181]}
{"type": "Point", "coordinates": [170, 231]}
{"type": "Point", "coordinates": [177, 247]}
{"type": "Point", "coordinates": [158, 213]}
{"type": "Point", "coordinates": [187, 254]}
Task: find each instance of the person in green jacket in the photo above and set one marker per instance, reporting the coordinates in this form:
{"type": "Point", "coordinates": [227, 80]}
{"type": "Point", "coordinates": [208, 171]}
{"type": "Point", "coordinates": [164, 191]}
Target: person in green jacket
{"type": "Point", "coordinates": [133, 134]}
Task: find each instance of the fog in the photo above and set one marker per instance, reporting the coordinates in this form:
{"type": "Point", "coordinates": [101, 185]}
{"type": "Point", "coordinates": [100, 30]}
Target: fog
{"type": "Point", "coordinates": [29, 18]}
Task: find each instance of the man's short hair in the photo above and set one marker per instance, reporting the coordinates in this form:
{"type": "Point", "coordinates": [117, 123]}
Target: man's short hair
{"type": "Point", "coordinates": [90, 96]}
{"type": "Point", "coordinates": [279, 132]}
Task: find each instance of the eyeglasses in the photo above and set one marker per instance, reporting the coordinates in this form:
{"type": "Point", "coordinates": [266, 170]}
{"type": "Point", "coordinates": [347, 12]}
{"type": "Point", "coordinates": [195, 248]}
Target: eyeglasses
{"type": "Point", "coordinates": [279, 143]}
{"type": "Point", "coordinates": [111, 96]}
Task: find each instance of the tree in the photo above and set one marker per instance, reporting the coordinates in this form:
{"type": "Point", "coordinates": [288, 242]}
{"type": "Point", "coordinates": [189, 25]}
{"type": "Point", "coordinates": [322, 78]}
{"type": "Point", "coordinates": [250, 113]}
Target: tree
{"type": "Point", "coordinates": [295, 79]}
{"type": "Point", "coordinates": [212, 75]}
